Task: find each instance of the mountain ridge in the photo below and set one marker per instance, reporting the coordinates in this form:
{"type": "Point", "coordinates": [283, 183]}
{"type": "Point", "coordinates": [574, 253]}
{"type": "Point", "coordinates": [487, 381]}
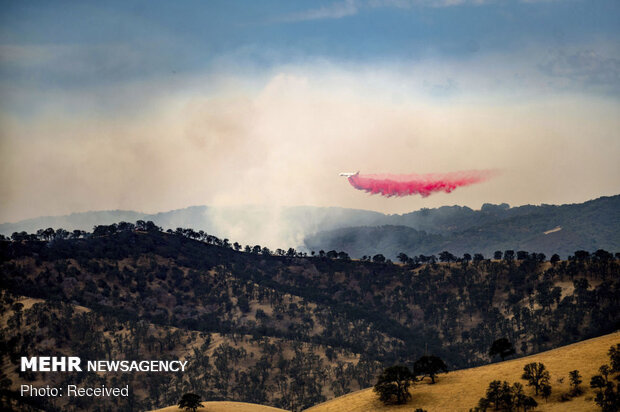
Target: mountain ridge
{"type": "Point", "coordinates": [591, 225]}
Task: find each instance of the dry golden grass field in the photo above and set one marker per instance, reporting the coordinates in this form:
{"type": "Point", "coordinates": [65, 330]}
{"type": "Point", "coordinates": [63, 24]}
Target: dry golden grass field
{"type": "Point", "coordinates": [226, 407]}
{"type": "Point", "coordinates": [460, 390]}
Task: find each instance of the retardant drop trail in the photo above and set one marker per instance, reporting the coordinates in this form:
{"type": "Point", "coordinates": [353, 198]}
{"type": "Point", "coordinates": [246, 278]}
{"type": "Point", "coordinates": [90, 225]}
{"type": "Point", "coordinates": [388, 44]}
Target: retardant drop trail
{"type": "Point", "coordinates": [417, 184]}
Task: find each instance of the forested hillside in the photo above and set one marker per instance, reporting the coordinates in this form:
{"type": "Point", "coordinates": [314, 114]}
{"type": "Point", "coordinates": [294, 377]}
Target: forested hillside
{"type": "Point", "coordinates": [280, 327]}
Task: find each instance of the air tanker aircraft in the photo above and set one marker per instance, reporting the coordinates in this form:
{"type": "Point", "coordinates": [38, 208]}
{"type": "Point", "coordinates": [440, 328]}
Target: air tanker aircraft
{"type": "Point", "coordinates": [345, 174]}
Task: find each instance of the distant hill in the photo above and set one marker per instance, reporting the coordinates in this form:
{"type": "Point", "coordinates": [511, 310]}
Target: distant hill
{"type": "Point", "coordinates": [81, 221]}
{"type": "Point", "coordinates": [548, 229]}
{"type": "Point", "coordinates": [267, 226]}
{"type": "Point", "coordinates": [589, 226]}
{"type": "Point", "coordinates": [460, 390]}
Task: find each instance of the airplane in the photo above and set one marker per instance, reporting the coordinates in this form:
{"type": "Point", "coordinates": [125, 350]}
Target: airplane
{"type": "Point", "coordinates": [349, 174]}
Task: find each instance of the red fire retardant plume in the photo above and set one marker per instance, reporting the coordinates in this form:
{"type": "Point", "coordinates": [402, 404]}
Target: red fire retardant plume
{"type": "Point", "coordinates": [404, 185]}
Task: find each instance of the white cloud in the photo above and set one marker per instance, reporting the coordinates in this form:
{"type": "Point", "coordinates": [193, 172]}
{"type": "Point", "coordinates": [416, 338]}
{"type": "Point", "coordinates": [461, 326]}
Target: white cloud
{"type": "Point", "coordinates": [586, 67]}
{"type": "Point", "coordinates": [348, 8]}
{"type": "Point", "coordinates": [544, 1]}
{"type": "Point", "coordinates": [335, 10]}
{"type": "Point", "coordinates": [425, 3]}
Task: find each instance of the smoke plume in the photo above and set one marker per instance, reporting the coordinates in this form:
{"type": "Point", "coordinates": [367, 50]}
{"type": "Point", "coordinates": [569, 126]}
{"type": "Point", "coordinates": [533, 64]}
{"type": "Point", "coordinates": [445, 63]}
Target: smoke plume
{"type": "Point", "coordinates": [417, 184]}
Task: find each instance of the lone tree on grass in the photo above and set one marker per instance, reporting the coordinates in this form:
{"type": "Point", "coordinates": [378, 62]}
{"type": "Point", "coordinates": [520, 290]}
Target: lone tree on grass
{"type": "Point", "coordinates": [393, 385]}
{"type": "Point", "coordinates": [536, 375]}
{"type": "Point", "coordinates": [429, 366]}
{"type": "Point", "coordinates": [502, 347]}
{"type": "Point", "coordinates": [575, 381]}
{"type": "Point", "coordinates": [190, 401]}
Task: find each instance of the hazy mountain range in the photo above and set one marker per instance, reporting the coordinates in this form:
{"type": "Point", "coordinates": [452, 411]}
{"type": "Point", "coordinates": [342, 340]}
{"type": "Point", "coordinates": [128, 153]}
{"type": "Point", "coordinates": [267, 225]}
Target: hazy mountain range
{"type": "Point", "coordinates": [546, 228]}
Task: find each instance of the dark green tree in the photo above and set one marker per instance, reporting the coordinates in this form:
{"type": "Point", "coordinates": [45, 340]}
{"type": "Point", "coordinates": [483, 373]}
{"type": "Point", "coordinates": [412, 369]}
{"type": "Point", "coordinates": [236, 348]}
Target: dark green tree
{"type": "Point", "coordinates": [502, 347]}
{"type": "Point", "coordinates": [536, 375]}
{"type": "Point", "coordinates": [501, 396]}
{"type": "Point", "coordinates": [608, 394]}
{"type": "Point", "coordinates": [528, 403]}
{"type": "Point", "coordinates": [494, 394]}
{"type": "Point", "coordinates": [243, 303]}
{"type": "Point", "coordinates": [446, 256]}
{"type": "Point", "coordinates": [393, 385]}
{"type": "Point", "coordinates": [429, 366]}
{"type": "Point", "coordinates": [609, 399]}
{"type": "Point", "coordinates": [520, 399]}
{"type": "Point", "coordinates": [378, 258]}
{"type": "Point", "coordinates": [598, 382]}
{"type": "Point", "coordinates": [483, 405]}
{"type": "Point", "coordinates": [190, 402]}
{"type": "Point", "coordinates": [343, 255]}
{"type": "Point", "coordinates": [582, 255]}
{"type": "Point", "coordinates": [575, 381]}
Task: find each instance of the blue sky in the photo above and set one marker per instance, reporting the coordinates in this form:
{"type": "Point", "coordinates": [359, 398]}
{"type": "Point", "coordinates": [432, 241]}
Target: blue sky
{"type": "Point", "coordinates": [76, 44]}
{"type": "Point", "coordinates": [158, 105]}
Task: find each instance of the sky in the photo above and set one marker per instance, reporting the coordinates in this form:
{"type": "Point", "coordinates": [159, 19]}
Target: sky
{"type": "Point", "coordinates": [152, 106]}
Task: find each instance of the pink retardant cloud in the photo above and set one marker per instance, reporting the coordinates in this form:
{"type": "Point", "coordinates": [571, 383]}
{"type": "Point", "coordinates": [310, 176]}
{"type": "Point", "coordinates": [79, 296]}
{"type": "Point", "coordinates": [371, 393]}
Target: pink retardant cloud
{"type": "Point", "coordinates": [417, 184]}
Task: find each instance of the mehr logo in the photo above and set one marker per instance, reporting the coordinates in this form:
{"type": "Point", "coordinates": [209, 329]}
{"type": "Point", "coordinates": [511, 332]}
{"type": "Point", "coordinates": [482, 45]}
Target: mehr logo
{"type": "Point", "coordinates": [51, 364]}
{"type": "Point", "coordinates": [72, 363]}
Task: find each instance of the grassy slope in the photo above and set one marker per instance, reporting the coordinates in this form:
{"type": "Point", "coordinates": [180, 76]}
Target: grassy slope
{"type": "Point", "coordinates": [460, 390]}
{"type": "Point", "coordinates": [226, 407]}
